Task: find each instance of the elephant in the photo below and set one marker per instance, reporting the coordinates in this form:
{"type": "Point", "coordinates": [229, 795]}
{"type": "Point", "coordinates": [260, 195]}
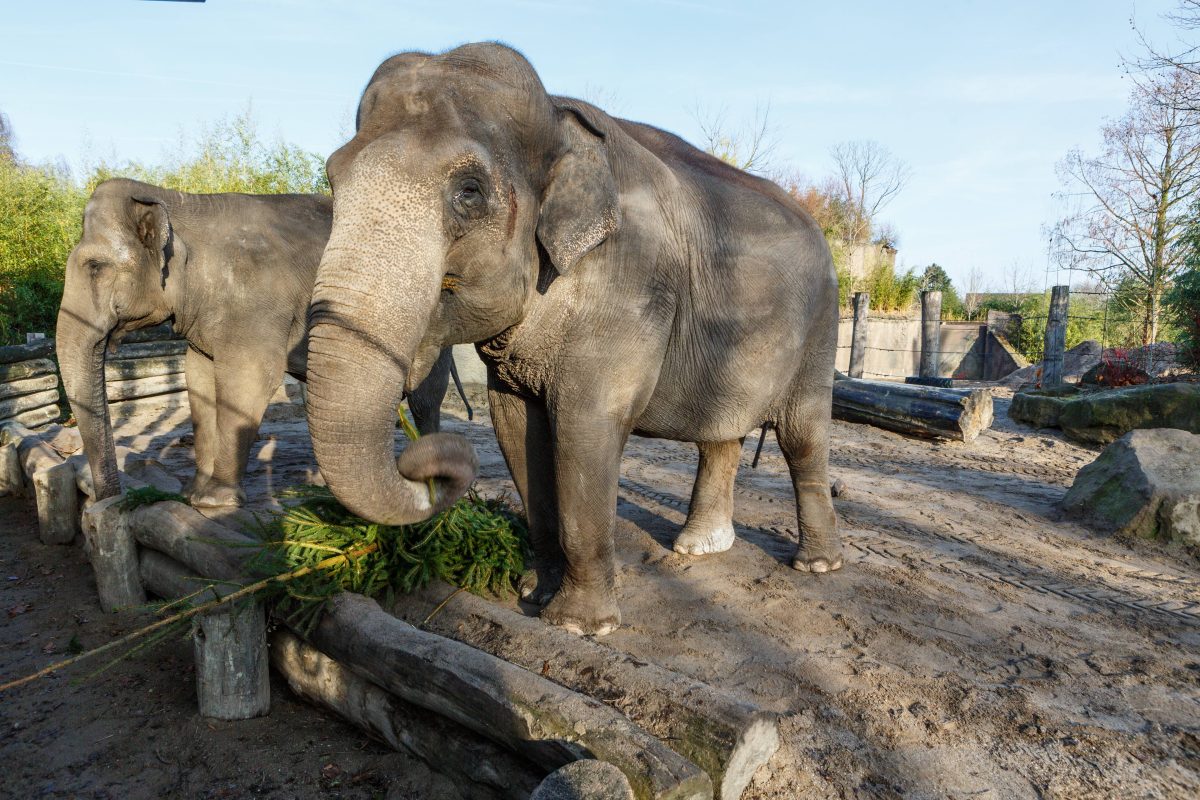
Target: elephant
{"type": "Point", "coordinates": [614, 279]}
{"type": "Point", "coordinates": [235, 272]}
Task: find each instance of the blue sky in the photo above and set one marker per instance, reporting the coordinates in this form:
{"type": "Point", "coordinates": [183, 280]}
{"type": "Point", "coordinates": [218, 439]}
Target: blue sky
{"type": "Point", "coordinates": [980, 98]}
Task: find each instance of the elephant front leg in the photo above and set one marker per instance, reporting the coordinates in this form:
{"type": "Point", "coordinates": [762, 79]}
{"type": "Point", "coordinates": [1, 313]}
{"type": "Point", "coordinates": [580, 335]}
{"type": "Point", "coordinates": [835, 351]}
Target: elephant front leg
{"type": "Point", "coordinates": [202, 396]}
{"type": "Point", "coordinates": [244, 386]}
{"type": "Point", "coordinates": [524, 436]}
{"type": "Point", "coordinates": [709, 526]}
{"type": "Point", "coordinates": [587, 463]}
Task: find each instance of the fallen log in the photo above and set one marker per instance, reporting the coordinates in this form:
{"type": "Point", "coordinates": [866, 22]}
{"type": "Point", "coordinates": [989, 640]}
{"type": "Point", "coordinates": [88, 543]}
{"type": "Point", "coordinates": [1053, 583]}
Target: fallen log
{"type": "Point", "coordinates": [12, 479]}
{"type": "Point", "coordinates": [123, 410]}
{"type": "Point", "coordinates": [128, 369]}
{"type": "Point", "coordinates": [488, 770]}
{"type": "Point", "coordinates": [37, 417]}
{"type": "Point", "coordinates": [27, 402]}
{"type": "Point", "coordinates": [541, 720]}
{"type": "Point", "coordinates": [57, 500]}
{"type": "Point", "coordinates": [26, 369]}
{"type": "Point", "coordinates": [165, 330]}
{"type": "Point", "coordinates": [10, 354]}
{"type": "Point", "coordinates": [145, 387]}
{"type": "Point", "coordinates": [28, 386]}
{"type": "Point", "coordinates": [209, 548]}
{"type": "Point", "coordinates": [926, 411]}
{"type": "Point", "coordinates": [587, 779]}
{"type": "Point", "coordinates": [727, 738]}
{"type": "Point", "coordinates": [166, 347]}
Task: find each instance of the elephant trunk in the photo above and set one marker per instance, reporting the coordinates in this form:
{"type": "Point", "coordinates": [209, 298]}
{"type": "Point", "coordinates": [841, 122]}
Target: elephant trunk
{"type": "Point", "coordinates": [81, 349]}
{"type": "Point", "coordinates": [366, 325]}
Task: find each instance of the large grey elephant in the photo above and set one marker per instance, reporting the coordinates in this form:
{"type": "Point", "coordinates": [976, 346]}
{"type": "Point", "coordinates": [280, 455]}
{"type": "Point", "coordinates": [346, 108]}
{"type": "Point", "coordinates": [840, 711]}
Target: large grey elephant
{"type": "Point", "coordinates": [615, 280]}
{"type": "Point", "coordinates": [235, 272]}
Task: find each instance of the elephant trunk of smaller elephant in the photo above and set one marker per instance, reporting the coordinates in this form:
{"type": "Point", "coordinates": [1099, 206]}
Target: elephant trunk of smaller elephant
{"type": "Point", "coordinates": [81, 350]}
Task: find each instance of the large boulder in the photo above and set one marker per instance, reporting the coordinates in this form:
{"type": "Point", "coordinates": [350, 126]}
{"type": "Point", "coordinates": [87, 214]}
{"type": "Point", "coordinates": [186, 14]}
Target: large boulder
{"type": "Point", "coordinates": [1076, 361]}
{"type": "Point", "coordinates": [1041, 408]}
{"type": "Point", "coordinates": [1102, 417]}
{"type": "Point", "coordinates": [1145, 484]}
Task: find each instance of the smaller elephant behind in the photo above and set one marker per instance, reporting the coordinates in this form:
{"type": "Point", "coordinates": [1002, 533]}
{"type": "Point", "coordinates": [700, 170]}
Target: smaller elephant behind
{"type": "Point", "coordinates": [235, 272]}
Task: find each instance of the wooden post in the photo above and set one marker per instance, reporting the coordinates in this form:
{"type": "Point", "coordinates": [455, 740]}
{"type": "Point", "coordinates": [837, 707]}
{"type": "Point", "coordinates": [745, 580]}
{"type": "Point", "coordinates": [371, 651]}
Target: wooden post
{"type": "Point", "coordinates": [858, 340]}
{"type": "Point", "coordinates": [57, 503]}
{"type": "Point", "coordinates": [1056, 337]}
{"type": "Point", "coordinates": [114, 556]}
{"type": "Point", "coordinates": [931, 333]}
{"type": "Point", "coordinates": [12, 479]}
{"type": "Point", "coordinates": [232, 670]}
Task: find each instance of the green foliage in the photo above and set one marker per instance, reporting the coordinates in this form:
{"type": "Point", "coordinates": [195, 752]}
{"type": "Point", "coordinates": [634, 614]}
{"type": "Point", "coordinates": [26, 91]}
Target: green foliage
{"type": "Point", "coordinates": [40, 219]}
{"type": "Point", "coordinates": [228, 156]}
{"type": "Point", "coordinates": [890, 292]}
{"type": "Point", "coordinates": [935, 279]}
{"type": "Point", "coordinates": [1183, 308]}
{"type": "Point", "coordinates": [148, 495]}
{"type": "Point", "coordinates": [477, 544]}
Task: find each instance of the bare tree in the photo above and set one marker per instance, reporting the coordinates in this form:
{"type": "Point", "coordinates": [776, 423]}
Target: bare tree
{"type": "Point", "coordinates": [749, 147]}
{"type": "Point", "coordinates": [974, 288]}
{"type": "Point", "coordinates": [869, 177]}
{"type": "Point", "coordinates": [1134, 196]}
{"type": "Point", "coordinates": [1183, 57]}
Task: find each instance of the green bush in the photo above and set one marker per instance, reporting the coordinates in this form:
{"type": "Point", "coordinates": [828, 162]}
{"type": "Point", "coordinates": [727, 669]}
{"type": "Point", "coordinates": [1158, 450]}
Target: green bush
{"type": "Point", "coordinates": [1183, 308]}
{"type": "Point", "coordinates": [40, 218]}
{"type": "Point", "coordinates": [890, 292]}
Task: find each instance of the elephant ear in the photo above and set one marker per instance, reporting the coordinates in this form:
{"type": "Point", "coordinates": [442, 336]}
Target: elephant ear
{"type": "Point", "coordinates": [153, 228]}
{"type": "Point", "coordinates": [579, 208]}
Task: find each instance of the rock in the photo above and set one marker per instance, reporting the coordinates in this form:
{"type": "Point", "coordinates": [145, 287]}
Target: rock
{"type": "Point", "coordinates": [1114, 373]}
{"type": "Point", "coordinates": [588, 779]}
{"type": "Point", "coordinates": [1041, 407]}
{"type": "Point", "coordinates": [1076, 361]}
{"type": "Point", "coordinates": [1145, 484]}
{"type": "Point", "coordinates": [837, 488]}
{"type": "Point", "coordinates": [1102, 417]}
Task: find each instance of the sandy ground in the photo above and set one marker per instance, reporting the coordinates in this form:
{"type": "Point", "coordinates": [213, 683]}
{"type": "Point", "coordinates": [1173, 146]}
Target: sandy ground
{"type": "Point", "coordinates": [975, 645]}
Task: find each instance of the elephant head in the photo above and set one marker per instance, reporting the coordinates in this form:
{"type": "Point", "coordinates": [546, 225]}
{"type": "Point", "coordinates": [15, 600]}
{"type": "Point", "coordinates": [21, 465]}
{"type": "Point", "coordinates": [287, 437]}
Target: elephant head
{"type": "Point", "coordinates": [464, 187]}
{"type": "Point", "coordinates": [116, 281]}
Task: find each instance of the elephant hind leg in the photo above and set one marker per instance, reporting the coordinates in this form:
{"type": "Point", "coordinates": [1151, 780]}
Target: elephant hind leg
{"type": "Point", "coordinates": [709, 526]}
{"type": "Point", "coordinates": [803, 432]}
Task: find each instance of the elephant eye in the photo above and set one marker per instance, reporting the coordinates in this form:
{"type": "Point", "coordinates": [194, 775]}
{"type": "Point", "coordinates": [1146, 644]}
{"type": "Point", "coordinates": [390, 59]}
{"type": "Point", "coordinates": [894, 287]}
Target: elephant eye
{"type": "Point", "coordinates": [469, 200]}
{"type": "Point", "coordinates": [94, 267]}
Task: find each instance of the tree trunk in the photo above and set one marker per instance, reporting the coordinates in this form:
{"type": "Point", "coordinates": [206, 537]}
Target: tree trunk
{"type": "Point", "coordinates": [959, 414]}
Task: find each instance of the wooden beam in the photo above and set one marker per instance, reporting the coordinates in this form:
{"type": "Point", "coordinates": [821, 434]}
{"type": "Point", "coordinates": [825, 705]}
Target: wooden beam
{"type": "Point", "coordinates": [926, 411]}
{"type": "Point", "coordinates": [931, 334]}
{"type": "Point", "coordinates": [858, 340]}
{"type": "Point", "coordinates": [1055, 343]}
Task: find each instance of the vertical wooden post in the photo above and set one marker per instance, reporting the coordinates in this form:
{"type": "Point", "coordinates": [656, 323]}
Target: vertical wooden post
{"type": "Point", "coordinates": [858, 340]}
{"type": "Point", "coordinates": [12, 478]}
{"type": "Point", "coordinates": [114, 556]}
{"type": "Point", "coordinates": [57, 503]}
{"type": "Point", "coordinates": [1056, 337]}
{"type": "Point", "coordinates": [232, 667]}
{"type": "Point", "coordinates": [931, 333]}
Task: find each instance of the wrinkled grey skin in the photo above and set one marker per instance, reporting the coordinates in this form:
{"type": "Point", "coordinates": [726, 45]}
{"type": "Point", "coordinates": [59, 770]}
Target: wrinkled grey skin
{"type": "Point", "coordinates": [615, 280]}
{"type": "Point", "coordinates": [235, 272]}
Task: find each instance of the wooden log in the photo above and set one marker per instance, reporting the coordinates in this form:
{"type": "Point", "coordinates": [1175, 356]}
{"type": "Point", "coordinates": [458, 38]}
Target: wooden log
{"type": "Point", "coordinates": [38, 417]}
{"type": "Point", "coordinates": [16, 405]}
{"type": "Point", "coordinates": [57, 503]}
{"type": "Point", "coordinates": [10, 354]}
{"type": "Point", "coordinates": [83, 472]}
{"type": "Point", "coordinates": [12, 478]}
{"type": "Point", "coordinates": [858, 340]}
{"type": "Point", "coordinates": [542, 721]}
{"type": "Point", "coordinates": [129, 369]}
{"type": "Point", "coordinates": [586, 779]}
{"type": "Point", "coordinates": [931, 333]}
{"type": "Point", "coordinates": [482, 768]}
{"type": "Point", "coordinates": [113, 552]}
{"type": "Point", "coordinates": [167, 347]}
{"type": "Point", "coordinates": [727, 738]}
{"type": "Point", "coordinates": [165, 330]}
{"type": "Point", "coordinates": [233, 678]}
{"type": "Point", "coordinates": [26, 369]}
{"type": "Point", "coordinates": [28, 386]}
{"type": "Point", "coordinates": [1055, 343]}
{"type": "Point", "coordinates": [159, 404]}
{"type": "Point", "coordinates": [914, 410]}
{"type": "Point", "coordinates": [209, 548]}
{"type": "Point", "coordinates": [145, 387]}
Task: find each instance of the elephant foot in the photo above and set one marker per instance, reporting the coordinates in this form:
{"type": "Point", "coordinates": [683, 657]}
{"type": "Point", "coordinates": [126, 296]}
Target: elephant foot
{"type": "Point", "coordinates": [818, 562]}
{"type": "Point", "coordinates": [540, 584]}
{"type": "Point", "coordinates": [584, 613]}
{"type": "Point", "coordinates": [698, 540]}
{"type": "Point", "coordinates": [213, 496]}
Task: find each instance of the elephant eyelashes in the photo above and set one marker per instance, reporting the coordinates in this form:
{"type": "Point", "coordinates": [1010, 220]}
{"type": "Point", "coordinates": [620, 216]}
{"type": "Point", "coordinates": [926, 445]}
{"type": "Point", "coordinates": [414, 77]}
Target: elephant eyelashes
{"type": "Point", "coordinates": [94, 268]}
